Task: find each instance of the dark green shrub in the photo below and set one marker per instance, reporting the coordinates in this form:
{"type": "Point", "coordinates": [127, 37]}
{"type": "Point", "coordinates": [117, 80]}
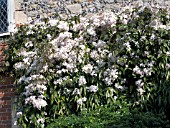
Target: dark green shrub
{"type": "Point", "coordinates": [112, 118]}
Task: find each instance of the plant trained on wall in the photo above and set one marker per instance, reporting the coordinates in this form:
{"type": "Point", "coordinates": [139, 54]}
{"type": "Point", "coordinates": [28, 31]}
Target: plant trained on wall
{"type": "Point", "coordinates": [66, 66]}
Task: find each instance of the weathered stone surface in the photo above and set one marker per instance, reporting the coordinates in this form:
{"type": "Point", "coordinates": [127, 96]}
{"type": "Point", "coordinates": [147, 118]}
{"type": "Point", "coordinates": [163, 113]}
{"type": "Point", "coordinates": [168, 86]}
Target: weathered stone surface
{"type": "Point", "coordinates": [37, 9]}
{"type": "Point", "coordinates": [33, 6]}
{"type": "Point", "coordinates": [89, 15]}
{"type": "Point", "coordinates": [75, 8]}
{"type": "Point", "coordinates": [18, 5]}
{"type": "Point", "coordinates": [110, 1]}
{"type": "Point", "coordinates": [20, 17]}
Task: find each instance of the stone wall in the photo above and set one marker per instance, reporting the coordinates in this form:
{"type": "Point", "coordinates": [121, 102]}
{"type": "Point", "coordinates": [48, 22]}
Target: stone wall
{"type": "Point", "coordinates": [36, 10]}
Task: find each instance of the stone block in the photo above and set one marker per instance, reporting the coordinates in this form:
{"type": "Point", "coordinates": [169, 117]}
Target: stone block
{"type": "Point", "coordinates": [75, 8]}
{"type": "Point", "coordinates": [110, 1]}
{"type": "Point", "coordinates": [18, 5]}
{"type": "Point", "coordinates": [20, 17]}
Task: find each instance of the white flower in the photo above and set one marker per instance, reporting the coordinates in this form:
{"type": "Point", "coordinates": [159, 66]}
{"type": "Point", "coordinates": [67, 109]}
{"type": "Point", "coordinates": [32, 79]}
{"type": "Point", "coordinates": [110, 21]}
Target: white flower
{"type": "Point", "coordinates": [167, 66]}
{"type": "Point", "coordinates": [36, 102]}
{"type": "Point", "coordinates": [128, 47]}
{"type": "Point", "coordinates": [82, 46]}
{"type": "Point", "coordinates": [76, 91]}
{"type": "Point", "coordinates": [27, 54]}
{"type": "Point", "coordinates": [110, 76]}
{"type": "Point", "coordinates": [153, 36]}
{"type": "Point", "coordinates": [119, 86]}
{"type": "Point", "coordinates": [87, 68]}
{"type": "Point", "coordinates": [92, 88]}
{"type": "Point", "coordinates": [26, 60]}
{"type": "Point", "coordinates": [137, 70]}
{"type": "Point", "coordinates": [45, 67]}
{"type": "Point", "coordinates": [108, 80]}
{"type": "Point", "coordinates": [53, 22]}
{"type": "Point", "coordinates": [21, 79]}
{"type": "Point", "coordinates": [63, 26]}
{"type": "Point", "coordinates": [28, 44]}
{"type": "Point", "coordinates": [19, 65]}
{"type": "Point", "coordinates": [84, 99]}
{"type": "Point", "coordinates": [48, 36]}
{"type": "Point", "coordinates": [19, 114]}
{"type": "Point", "coordinates": [147, 71]}
{"type": "Point", "coordinates": [163, 26]}
{"type": "Point", "coordinates": [94, 55]}
{"type": "Point", "coordinates": [124, 21]}
{"type": "Point", "coordinates": [99, 44]}
{"type": "Point", "coordinates": [82, 80]}
{"type": "Point", "coordinates": [101, 63]}
{"type": "Point", "coordinates": [59, 81]}
{"type": "Point", "coordinates": [96, 22]}
{"type": "Point", "coordinates": [40, 121]}
{"type": "Point", "coordinates": [41, 88]}
{"type": "Point", "coordinates": [139, 83]}
{"type": "Point", "coordinates": [15, 123]}
{"type": "Point", "coordinates": [62, 36]}
{"type": "Point", "coordinates": [29, 32]}
{"type": "Point", "coordinates": [91, 31]}
{"type": "Point", "coordinates": [79, 102]}
{"type": "Point", "coordinates": [112, 73]}
{"type": "Point", "coordinates": [168, 53]}
{"type": "Point", "coordinates": [115, 97]}
{"type": "Point", "coordinates": [140, 91]}
{"type": "Point", "coordinates": [112, 57]}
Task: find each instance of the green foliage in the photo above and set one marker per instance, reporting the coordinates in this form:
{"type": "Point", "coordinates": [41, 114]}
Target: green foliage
{"type": "Point", "coordinates": [112, 117]}
{"type": "Point", "coordinates": [150, 45]}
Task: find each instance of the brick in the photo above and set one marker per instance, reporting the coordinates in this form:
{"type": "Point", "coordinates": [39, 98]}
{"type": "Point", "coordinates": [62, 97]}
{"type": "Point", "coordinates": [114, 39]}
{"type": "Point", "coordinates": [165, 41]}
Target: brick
{"type": "Point", "coordinates": [8, 114]}
{"type": "Point", "coordinates": [2, 64]}
{"type": "Point", "coordinates": [3, 45]}
{"type": "Point", "coordinates": [6, 106]}
{"type": "Point", "coordinates": [3, 118]}
{"type": "Point", "coordinates": [2, 102]}
{"type": "Point", "coordinates": [1, 52]}
{"type": "Point", "coordinates": [2, 110]}
{"type": "Point", "coordinates": [2, 58]}
{"type": "Point", "coordinates": [2, 87]}
{"type": "Point", "coordinates": [1, 94]}
{"type": "Point", "coordinates": [8, 102]}
{"type": "Point", "coordinates": [9, 110]}
{"type": "Point", "coordinates": [5, 122]}
{"type": "Point", "coordinates": [5, 87]}
{"type": "Point", "coordinates": [7, 81]}
{"type": "Point", "coordinates": [4, 126]}
{"type": "Point", "coordinates": [12, 80]}
{"type": "Point", "coordinates": [9, 94]}
{"type": "Point", "coordinates": [5, 98]}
